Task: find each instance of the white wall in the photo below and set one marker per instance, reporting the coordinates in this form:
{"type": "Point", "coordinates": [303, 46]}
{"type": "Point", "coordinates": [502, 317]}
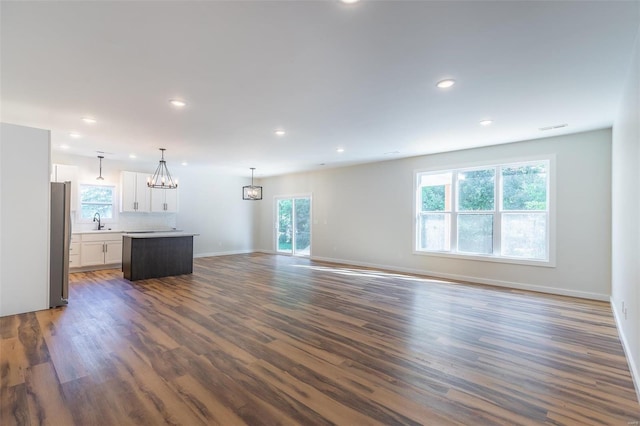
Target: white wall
{"type": "Point", "coordinates": [24, 219]}
{"type": "Point", "coordinates": [210, 204]}
{"type": "Point", "coordinates": [364, 215]}
{"type": "Point", "coordinates": [626, 216]}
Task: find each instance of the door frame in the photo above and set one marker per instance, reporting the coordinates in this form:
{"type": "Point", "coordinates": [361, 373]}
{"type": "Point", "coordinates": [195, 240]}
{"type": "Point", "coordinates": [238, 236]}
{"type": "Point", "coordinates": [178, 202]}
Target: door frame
{"type": "Point", "coordinates": [292, 197]}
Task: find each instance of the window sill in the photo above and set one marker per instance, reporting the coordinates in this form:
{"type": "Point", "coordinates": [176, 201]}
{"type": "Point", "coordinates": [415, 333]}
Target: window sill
{"type": "Point", "coordinates": [510, 260]}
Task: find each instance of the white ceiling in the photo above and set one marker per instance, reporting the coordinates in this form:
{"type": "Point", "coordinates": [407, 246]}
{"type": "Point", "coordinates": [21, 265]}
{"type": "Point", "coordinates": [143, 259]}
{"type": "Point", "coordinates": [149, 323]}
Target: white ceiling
{"type": "Point", "coordinates": [361, 76]}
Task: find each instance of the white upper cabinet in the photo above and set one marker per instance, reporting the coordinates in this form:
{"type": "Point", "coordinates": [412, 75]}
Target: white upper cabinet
{"type": "Point", "coordinates": [171, 200]}
{"type": "Point", "coordinates": [135, 195]}
{"type": "Point", "coordinates": [164, 200]}
{"type": "Point", "coordinates": [65, 173]}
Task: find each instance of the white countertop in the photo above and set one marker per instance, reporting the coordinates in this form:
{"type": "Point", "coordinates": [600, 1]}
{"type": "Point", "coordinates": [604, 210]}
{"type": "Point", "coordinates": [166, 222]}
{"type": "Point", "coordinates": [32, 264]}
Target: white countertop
{"type": "Point", "coordinates": [121, 231]}
{"type": "Point", "coordinates": [102, 231]}
{"type": "Point", "coordinates": [169, 234]}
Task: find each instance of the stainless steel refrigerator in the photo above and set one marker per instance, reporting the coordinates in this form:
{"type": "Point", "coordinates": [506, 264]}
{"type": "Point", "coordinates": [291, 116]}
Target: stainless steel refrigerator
{"type": "Point", "coordinates": [60, 243]}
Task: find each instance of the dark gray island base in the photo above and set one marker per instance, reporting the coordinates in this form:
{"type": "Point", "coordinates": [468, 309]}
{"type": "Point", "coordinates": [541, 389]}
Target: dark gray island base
{"type": "Point", "coordinates": [156, 255]}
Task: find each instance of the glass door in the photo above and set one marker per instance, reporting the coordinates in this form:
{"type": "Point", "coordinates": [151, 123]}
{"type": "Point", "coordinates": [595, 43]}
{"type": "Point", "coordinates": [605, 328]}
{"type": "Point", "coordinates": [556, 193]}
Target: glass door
{"type": "Point", "coordinates": [293, 226]}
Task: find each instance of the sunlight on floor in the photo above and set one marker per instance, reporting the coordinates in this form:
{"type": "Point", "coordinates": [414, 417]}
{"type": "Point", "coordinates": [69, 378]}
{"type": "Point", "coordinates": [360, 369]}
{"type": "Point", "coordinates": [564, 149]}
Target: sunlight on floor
{"type": "Point", "coordinates": [368, 273]}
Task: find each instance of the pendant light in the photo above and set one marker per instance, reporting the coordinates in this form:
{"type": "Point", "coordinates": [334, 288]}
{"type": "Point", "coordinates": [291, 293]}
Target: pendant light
{"type": "Point", "coordinates": [252, 192]}
{"type": "Point", "coordinates": [162, 178]}
{"type": "Point", "coordinates": [100, 175]}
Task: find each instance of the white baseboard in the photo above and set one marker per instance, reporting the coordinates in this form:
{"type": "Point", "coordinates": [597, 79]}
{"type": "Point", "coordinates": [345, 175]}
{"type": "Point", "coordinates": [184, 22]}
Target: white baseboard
{"type": "Point", "coordinates": [222, 253]}
{"type": "Point", "coordinates": [266, 251]}
{"type": "Point", "coordinates": [633, 368]}
{"type": "Point", "coordinates": [95, 268]}
{"type": "Point", "coordinates": [457, 277]}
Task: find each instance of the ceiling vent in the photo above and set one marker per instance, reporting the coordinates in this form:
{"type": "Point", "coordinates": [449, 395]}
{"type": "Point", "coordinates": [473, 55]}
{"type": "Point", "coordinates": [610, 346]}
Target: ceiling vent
{"type": "Point", "coordinates": [557, 126]}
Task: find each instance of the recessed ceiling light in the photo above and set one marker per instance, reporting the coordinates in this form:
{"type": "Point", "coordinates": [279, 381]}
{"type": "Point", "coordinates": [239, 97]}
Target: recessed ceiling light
{"type": "Point", "coordinates": [132, 156]}
{"type": "Point", "coordinates": [74, 135]}
{"type": "Point", "coordinates": [486, 122]}
{"type": "Point", "coordinates": [89, 120]}
{"type": "Point", "coordinates": [349, 1]}
{"type": "Point", "coordinates": [64, 146]}
{"type": "Point", "coordinates": [184, 163]}
{"type": "Point", "coordinates": [177, 103]}
{"type": "Point", "coordinates": [340, 150]}
{"type": "Point", "coordinates": [445, 84]}
{"type": "Point", "coordinates": [279, 132]}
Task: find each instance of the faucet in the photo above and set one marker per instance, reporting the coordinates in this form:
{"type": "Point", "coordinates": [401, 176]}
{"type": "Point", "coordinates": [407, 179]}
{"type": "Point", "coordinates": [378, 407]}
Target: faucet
{"type": "Point", "coordinates": [96, 218]}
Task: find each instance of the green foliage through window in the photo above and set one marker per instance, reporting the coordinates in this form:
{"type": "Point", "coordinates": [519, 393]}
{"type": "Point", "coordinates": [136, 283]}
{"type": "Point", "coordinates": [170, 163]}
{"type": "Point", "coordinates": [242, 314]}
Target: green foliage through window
{"type": "Point", "coordinates": [96, 199]}
{"type": "Point", "coordinates": [476, 190]}
{"type": "Point", "coordinates": [433, 198]}
{"type": "Point", "coordinates": [524, 188]}
{"type": "Point", "coordinates": [302, 225]}
{"type": "Point", "coordinates": [458, 211]}
{"type": "Point", "coordinates": [294, 224]}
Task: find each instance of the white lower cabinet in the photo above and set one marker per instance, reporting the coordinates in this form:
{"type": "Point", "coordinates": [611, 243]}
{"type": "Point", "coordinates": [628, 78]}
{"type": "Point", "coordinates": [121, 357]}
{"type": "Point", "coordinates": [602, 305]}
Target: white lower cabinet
{"type": "Point", "coordinates": [92, 253]}
{"type": "Point", "coordinates": [101, 249]}
{"type": "Point", "coordinates": [74, 261]}
{"type": "Point", "coordinates": [74, 251]}
{"type": "Point", "coordinates": [113, 252]}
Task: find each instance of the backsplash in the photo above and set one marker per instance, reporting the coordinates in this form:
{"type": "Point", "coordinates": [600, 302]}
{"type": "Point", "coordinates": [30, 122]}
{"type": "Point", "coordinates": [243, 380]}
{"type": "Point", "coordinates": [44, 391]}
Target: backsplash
{"type": "Point", "coordinates": [132, 222]}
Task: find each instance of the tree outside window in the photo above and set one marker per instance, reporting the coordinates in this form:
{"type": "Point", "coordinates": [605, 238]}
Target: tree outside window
{"type": "Point", "coordinates": [96, 199]}
{"type": "Point", "coordinates": [498, 211]}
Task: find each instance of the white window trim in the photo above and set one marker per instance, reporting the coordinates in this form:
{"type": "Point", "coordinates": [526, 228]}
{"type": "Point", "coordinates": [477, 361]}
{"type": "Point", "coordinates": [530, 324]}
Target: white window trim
{"type": "Point", "coordinates": [114, 207]}
{"type": "Point", "coordinates": [551, 223]}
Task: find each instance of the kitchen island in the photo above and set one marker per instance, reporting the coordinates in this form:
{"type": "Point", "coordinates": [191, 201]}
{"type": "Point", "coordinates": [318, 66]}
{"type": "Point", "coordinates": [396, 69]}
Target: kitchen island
{"type": "Point", "coordinates": [156, 254]}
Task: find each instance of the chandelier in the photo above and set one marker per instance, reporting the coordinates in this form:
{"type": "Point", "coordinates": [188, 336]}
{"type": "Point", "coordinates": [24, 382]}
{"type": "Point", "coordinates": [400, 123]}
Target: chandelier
{"type": "Point", "coordinates": [162, 178]}
{"type": "Point", "coordinates": [252, 192]}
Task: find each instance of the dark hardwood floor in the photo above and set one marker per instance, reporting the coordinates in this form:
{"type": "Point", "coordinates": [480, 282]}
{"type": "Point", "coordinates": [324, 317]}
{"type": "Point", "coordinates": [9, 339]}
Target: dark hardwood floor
{"type": "Point", "coordinates": [263, 340]}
